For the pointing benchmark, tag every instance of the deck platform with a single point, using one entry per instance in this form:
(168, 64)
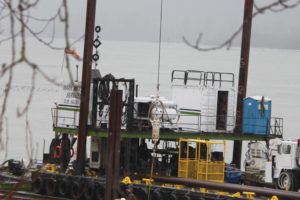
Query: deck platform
(172, 135)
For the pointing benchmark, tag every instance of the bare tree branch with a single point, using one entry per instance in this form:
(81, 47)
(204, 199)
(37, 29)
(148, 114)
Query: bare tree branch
(17, 14)
(7, 139)
(67, 42)
(29, 147)
(277, 6)
(26, 108)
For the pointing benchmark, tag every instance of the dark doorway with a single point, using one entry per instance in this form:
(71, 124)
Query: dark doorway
(222, 108)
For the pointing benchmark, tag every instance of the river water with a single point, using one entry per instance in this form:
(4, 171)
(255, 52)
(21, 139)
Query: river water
(273, 73)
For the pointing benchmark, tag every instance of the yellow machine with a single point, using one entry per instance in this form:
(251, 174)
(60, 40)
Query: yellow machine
(201, 159)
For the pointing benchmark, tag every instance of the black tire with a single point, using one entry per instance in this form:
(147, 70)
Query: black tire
(295, 182)
(89, 190)
(287, 181)
(140, 193)
(131, 196)
(76, 190)
(99, 191)
(63, 187)
(173, 196)
(156, 195)
(51, 187)
(38, 185)
(186, 197)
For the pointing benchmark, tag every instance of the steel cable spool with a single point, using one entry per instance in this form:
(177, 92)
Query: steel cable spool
(104, 88)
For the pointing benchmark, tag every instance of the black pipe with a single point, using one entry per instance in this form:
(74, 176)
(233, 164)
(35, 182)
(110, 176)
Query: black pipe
(228, 187)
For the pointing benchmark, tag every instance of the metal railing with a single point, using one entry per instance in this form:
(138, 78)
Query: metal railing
(69, 118)
(273, 126)
(65, 118)
(202, 77)
(206, 123)
(276, 126)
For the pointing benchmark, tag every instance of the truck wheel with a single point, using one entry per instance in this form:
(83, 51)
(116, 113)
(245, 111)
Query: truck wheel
(296, 182)
(286, 181)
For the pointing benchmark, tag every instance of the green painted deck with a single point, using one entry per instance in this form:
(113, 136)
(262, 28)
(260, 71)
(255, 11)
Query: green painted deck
(171, 135)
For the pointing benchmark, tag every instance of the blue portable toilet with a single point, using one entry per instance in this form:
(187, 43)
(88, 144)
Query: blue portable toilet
(256, 115)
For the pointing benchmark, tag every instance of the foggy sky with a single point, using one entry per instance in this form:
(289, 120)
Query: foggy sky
(138, 20)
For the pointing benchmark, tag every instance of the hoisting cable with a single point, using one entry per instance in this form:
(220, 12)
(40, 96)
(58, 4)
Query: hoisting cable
(152, 169)
(156, 120)
(159, 46)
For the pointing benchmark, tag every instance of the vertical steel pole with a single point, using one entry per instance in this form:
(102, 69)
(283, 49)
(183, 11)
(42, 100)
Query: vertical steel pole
(117, 131)
(85, 85)
(112, 166)
(243, 77)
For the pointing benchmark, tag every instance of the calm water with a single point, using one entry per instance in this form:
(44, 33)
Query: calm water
(272, 72)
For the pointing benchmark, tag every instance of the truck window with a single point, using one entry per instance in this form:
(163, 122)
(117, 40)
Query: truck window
(286, 149)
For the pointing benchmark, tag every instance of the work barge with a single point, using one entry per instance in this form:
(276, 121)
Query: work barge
(188, 160)
(151, 147)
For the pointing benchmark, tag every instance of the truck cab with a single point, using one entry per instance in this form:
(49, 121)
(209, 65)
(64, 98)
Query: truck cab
(278, 165)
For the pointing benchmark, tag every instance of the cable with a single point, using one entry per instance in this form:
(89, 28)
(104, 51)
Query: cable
(157, 97)
(152, 169)
(159, 46)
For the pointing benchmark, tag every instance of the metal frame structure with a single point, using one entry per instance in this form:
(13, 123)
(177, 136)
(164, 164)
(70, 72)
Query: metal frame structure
(102, 87)
(199, 162)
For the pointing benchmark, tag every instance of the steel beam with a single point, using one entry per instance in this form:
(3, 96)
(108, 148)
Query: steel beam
(243, 77)
(112, 166)
(85, 85)
(228, 187)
